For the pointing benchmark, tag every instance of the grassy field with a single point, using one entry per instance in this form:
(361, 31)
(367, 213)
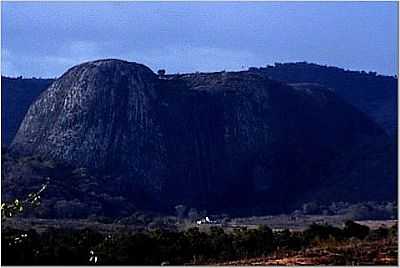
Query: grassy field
(275, 222)
(381, 252)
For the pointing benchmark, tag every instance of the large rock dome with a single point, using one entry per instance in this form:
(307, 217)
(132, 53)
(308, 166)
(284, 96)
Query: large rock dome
(216, 140)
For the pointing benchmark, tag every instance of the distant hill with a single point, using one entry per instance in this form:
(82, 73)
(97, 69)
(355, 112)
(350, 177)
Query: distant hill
(17, 94)
(374, 94)
(225, 141)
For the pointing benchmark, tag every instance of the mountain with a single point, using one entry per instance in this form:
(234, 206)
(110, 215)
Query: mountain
(376, 95)
(226, 141)
(17, 94)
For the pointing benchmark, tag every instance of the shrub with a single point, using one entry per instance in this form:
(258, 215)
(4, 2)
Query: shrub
(353, 229)
(322, 232)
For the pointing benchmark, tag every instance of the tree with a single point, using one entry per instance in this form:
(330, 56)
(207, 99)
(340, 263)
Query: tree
(322, 232)
(161, 72)
(10, 209)
(353, 229)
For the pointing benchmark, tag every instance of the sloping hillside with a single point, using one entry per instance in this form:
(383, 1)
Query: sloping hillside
(376, 95)
(17, 94)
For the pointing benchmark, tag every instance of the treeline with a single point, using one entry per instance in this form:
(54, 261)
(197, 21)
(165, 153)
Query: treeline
(83, 247)
(369, 210)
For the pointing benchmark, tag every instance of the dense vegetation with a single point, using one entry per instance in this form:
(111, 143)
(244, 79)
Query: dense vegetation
(74, 193)
(68, 247)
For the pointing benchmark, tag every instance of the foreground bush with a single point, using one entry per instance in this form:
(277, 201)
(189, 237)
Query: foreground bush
(83, 247)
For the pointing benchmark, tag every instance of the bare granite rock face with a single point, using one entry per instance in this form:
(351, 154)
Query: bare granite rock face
(222, 140)
(98, 115)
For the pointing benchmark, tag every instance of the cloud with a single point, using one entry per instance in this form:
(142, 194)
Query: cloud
(44, 39)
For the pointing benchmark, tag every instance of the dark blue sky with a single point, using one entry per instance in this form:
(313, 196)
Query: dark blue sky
(43, 39)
